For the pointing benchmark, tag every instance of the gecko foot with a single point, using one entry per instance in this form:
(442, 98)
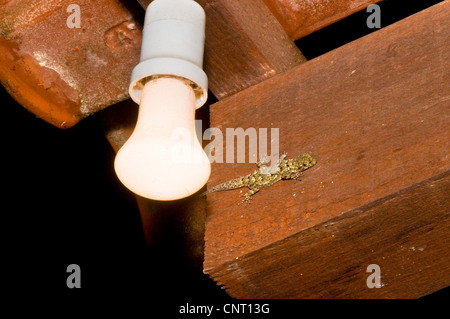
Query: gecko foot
(246, 200)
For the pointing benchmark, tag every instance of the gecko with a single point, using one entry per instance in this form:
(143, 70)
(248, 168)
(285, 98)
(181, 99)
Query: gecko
(266, 176)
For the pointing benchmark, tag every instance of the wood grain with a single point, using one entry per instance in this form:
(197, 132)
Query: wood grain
(330, 260)
(63, 74)
(375, 114)
(301, 18)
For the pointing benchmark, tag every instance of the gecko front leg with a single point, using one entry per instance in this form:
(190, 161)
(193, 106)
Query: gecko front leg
(296, 176)
(263, 162)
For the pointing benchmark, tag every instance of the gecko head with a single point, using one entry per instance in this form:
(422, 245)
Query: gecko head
(306, 161)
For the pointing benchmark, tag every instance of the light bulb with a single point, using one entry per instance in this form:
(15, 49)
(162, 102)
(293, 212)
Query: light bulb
(163, 158)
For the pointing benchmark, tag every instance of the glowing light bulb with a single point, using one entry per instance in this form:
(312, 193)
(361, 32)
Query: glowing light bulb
(163, 158)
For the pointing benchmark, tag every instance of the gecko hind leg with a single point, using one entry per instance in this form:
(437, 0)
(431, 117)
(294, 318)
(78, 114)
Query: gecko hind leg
(248, 196)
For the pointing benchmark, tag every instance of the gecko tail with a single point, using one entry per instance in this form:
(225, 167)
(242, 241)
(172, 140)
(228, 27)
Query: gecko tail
(233, 184)
(209, 191)
(205, 193)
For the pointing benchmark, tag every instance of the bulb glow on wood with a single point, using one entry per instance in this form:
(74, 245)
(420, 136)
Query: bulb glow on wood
(163, 158)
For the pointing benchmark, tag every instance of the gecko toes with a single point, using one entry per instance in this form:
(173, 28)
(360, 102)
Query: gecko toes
(246, 200)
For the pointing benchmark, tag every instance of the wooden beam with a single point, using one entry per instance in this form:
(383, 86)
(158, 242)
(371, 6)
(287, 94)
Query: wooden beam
(373, 112)
(330, 260)
(245, 44)
(301, 18)
(64, 74)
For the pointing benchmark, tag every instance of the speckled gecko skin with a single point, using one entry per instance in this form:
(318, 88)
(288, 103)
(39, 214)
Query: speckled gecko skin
(266, 176)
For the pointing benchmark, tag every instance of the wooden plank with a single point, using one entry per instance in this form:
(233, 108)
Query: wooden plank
(375, 114)
(300, 18)
(245, 45)
(330, 260)
(63, 74)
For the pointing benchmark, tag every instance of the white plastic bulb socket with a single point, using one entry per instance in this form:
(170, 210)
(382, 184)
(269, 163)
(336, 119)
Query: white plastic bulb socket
(163, 159)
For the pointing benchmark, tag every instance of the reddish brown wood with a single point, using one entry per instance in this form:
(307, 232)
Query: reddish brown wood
(47, 75)
(245, 45)
(373, 112)
(144, 3)
(300, 18)
(64, 74)
(330, 260)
